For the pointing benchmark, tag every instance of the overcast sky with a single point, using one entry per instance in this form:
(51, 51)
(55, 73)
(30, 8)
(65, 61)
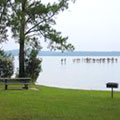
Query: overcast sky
(92, 25)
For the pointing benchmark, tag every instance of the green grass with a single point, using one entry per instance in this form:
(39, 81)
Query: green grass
(58, 104)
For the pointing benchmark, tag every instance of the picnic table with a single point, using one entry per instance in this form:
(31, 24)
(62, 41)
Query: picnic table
(15, 81)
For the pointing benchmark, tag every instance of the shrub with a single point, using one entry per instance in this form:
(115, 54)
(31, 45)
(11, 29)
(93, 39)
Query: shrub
(32, 64)
(6, 64)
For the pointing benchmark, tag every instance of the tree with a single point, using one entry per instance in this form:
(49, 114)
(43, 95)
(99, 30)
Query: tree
(6, 64)
(31, 20)
(3, 20)
(32, 64)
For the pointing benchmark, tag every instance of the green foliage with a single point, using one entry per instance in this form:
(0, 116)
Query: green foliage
(32, 64)
(3, 20)
(38, 20)
(6, 64)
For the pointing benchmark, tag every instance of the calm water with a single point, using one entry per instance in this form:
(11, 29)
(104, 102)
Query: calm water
(77, 75)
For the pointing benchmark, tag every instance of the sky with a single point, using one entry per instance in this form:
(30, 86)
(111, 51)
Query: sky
(91, 25)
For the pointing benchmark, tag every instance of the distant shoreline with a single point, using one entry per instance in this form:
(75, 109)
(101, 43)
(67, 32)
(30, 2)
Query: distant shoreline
(74, 53)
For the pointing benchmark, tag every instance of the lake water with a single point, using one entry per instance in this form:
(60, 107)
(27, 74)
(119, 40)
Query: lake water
(78, 74)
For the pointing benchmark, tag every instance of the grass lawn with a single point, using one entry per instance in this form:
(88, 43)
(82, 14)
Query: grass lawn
(58, 104)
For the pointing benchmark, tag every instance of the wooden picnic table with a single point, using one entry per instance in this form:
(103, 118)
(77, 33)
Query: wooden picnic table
(11, 81)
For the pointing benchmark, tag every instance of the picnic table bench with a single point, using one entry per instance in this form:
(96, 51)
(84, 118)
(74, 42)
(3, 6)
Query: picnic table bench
(17, 81)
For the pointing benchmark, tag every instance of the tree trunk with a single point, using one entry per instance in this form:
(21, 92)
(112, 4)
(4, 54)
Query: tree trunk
(21, 59)
(22, 42)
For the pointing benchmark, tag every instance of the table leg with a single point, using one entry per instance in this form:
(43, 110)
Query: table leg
(6, 86)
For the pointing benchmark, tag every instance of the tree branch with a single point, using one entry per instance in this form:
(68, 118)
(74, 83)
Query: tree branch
(44, 19)
(12, 6)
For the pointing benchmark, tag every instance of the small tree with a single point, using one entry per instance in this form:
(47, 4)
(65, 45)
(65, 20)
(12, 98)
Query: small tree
(32, 64)
(6, 64)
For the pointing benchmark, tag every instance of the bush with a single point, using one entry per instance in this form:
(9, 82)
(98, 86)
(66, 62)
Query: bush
(32, 65)
(6, 64)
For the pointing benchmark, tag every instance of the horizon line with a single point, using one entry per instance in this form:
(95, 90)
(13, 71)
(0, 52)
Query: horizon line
(69, 51)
